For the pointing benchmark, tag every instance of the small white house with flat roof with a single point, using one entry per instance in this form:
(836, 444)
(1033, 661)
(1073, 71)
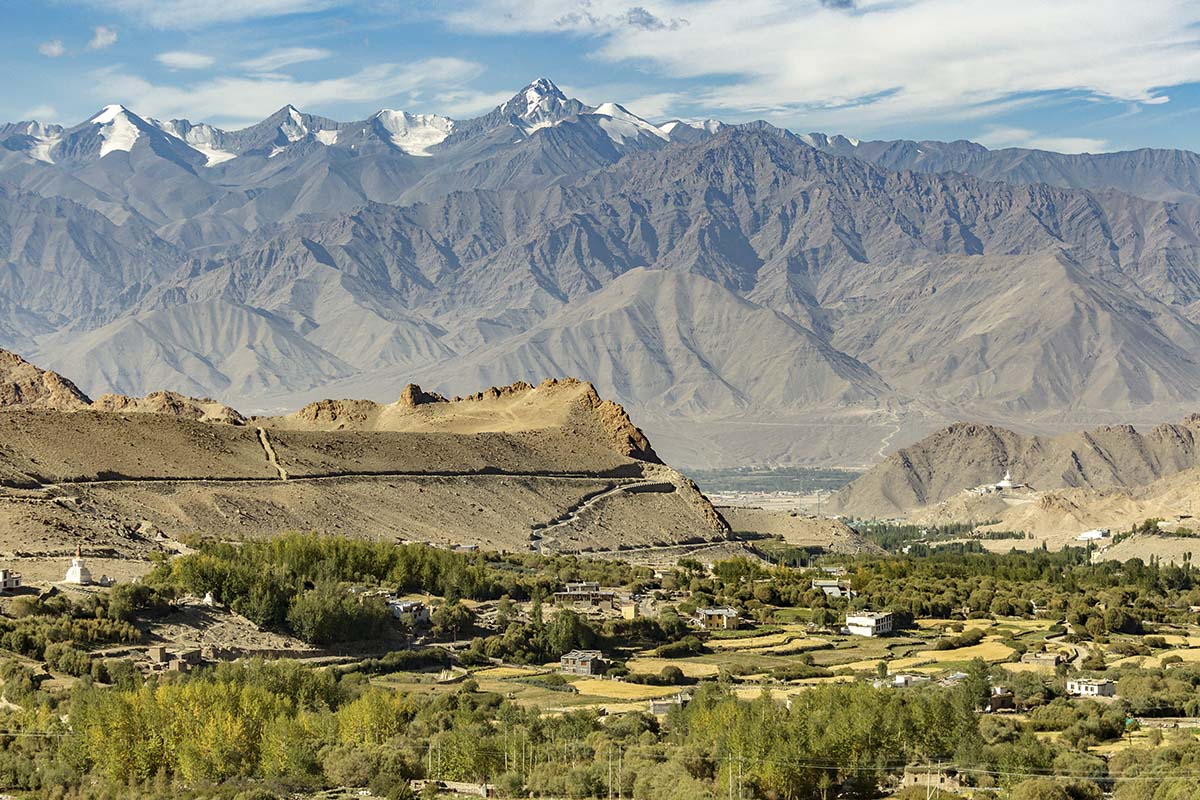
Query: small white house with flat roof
(877, 623)
(1091, 687)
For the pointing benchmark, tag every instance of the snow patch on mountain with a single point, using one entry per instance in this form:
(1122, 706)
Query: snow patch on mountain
(200, 138)
(414, 133)
(621, 124)
(293, 128)
(709, 126)
(327, 137)
(118, 131)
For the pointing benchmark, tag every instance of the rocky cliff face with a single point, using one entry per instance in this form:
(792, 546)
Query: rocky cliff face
(23, 384)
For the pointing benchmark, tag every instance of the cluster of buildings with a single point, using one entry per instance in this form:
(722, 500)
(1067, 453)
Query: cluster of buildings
(1005, 484)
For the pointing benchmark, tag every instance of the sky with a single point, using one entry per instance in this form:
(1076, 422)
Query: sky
(1067, 75)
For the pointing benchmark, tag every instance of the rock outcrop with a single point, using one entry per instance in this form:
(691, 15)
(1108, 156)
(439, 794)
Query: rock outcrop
(23, 384)
(203, 409)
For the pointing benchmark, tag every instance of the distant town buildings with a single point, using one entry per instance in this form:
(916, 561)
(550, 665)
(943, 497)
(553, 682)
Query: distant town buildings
(583, 662)
(1091, 687)
(720, 618)
(870, 624)
(1005, 484)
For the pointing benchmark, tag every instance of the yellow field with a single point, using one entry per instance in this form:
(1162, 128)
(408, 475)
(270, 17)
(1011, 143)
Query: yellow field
(1189, 654)
(1037, 668)
(594, 687)
(692, 669)
(991, 651)
(860, 666)
(498, 673)
(754, 642)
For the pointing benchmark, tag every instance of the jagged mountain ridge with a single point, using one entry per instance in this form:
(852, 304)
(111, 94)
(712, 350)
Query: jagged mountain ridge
(303, 253)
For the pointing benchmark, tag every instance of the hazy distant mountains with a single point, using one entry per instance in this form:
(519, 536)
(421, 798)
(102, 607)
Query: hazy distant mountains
(744, 290)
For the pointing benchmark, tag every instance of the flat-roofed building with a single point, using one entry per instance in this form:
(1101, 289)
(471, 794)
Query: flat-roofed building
(878, 623)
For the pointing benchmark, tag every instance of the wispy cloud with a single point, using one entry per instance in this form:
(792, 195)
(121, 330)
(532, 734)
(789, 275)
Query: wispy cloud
(52, 49)
(809, 62)
(182, 59)
(103, 37)
(241, 99)
(43, 113)
(283, 57)
(998, 137)
(190, 14)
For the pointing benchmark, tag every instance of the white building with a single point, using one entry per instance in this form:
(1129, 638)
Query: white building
(414, 612)
(870, 624)
(1091, 687)
(1092, 535)
(9, 580)
(78, 573)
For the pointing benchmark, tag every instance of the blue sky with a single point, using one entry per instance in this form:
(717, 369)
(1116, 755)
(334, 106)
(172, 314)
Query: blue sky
(1069, 75)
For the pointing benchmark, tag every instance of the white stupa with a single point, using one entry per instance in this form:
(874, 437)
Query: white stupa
(1006, 482)
(78, 573)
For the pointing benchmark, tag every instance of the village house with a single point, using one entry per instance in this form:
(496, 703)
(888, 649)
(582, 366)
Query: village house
(9, 580)
(832, 587)
(879, 623)
(583, 662)
(1001, 699)
(1092, 535)
(1091, 687)
(664, 705)
(1042, 659)
(584, 594)
(931, 777)
(413, 612)
(720, 618)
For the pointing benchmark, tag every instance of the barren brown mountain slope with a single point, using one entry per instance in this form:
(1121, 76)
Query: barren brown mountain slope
(1056, 518)
(21, 383)
(551, 468)
(800, 530)
(968, 455)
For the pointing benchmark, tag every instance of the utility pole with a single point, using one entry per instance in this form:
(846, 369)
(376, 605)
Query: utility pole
(610, 774)
(620, 782)
(731, 775)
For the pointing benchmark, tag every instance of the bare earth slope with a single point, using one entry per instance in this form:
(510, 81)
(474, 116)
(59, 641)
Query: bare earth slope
(832, 535)
(552, 468)
(966, 455)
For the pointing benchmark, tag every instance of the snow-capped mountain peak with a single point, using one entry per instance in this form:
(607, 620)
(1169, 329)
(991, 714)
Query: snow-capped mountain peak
(119, 128)
(413, 133)
(621, 124)
(293, 127)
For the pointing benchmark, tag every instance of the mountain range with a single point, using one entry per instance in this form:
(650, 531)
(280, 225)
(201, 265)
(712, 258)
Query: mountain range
(751, 294)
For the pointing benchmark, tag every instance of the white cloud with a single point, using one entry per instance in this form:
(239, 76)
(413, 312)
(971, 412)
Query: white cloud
(190, 14)
(242, 99)
(52, 49)
(283, 57)
(182, 59)
(102, 37)
(999, 137)
(41, 113)
(803, 62)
